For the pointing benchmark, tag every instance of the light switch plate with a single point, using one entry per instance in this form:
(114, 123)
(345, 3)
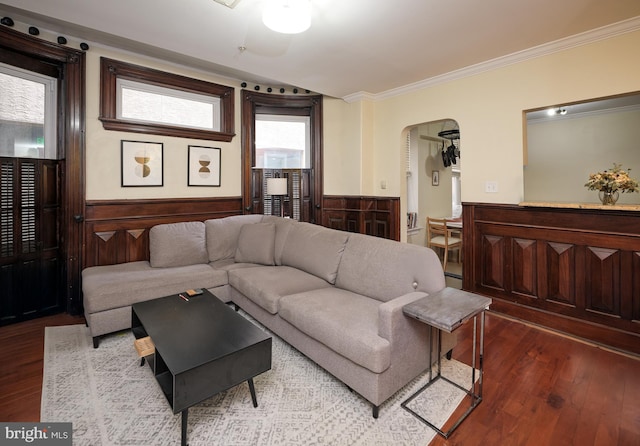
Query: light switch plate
(491, 187)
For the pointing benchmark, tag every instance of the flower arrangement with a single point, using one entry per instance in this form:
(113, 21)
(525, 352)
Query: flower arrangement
(614, 180)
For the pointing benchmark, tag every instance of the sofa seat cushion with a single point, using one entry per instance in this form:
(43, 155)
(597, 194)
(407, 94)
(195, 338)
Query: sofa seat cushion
(344, 321)
(114, 286)
(229, 264)
(265, 285)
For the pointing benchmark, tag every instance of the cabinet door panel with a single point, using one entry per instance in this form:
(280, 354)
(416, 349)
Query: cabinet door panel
(524, 260)
(603, 290)
(560, 278)
(493, 265)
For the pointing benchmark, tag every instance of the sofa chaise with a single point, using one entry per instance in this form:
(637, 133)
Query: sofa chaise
(335, 296)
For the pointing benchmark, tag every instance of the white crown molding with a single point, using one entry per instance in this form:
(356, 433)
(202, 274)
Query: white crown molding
(585, 38)
(360, 96)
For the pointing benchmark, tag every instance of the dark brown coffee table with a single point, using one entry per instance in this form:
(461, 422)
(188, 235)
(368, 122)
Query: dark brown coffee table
(202, 348)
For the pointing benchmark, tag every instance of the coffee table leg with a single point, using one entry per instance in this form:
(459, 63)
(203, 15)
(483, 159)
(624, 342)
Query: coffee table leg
(252, 389)
(185, 416)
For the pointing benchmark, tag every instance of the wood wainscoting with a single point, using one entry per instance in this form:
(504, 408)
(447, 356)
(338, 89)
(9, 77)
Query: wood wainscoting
(378, 216)
(572, 270)
(118, 231)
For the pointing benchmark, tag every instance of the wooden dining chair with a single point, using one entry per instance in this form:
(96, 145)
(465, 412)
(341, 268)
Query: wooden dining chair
(439, 236)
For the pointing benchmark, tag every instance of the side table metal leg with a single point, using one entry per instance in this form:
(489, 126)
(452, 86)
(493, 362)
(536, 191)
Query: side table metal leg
(439, 338)
(430, 353)
(252, 389)
(481, 365)
(185, 422)
(473, 358)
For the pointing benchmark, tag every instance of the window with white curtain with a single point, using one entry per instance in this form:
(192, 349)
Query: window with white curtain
(411, 163)
(456, 203)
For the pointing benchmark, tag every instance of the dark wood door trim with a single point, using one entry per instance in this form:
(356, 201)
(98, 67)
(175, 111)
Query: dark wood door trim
(269, 102)
(71, 130)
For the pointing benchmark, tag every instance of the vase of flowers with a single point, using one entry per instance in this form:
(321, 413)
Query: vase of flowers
(611, 183)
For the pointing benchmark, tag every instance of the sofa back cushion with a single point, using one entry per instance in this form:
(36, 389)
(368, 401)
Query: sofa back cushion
(222, 235)
(177, 244)
(314, 249)
(256, 243)
(385, 269)
(283, 226)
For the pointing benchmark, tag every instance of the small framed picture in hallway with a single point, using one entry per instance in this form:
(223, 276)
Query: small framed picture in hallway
(435, 178)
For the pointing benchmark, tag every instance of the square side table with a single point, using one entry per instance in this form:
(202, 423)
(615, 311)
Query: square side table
(447, 310)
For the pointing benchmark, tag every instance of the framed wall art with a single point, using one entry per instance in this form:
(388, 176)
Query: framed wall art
(435, 178)
(203, 166)
(142, 163)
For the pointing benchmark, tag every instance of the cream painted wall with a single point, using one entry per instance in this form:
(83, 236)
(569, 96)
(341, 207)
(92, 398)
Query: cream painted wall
(343, 147)
(488, 107)
(103, 179)
(562, 154)
(363, 142)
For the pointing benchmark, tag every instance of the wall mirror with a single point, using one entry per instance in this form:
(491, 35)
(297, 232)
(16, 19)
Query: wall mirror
(565, 143)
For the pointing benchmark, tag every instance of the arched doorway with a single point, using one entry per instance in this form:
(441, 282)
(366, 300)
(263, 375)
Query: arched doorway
(433, 180)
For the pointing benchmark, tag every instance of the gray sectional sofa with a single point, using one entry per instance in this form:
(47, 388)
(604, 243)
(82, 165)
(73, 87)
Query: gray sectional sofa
(335, 296)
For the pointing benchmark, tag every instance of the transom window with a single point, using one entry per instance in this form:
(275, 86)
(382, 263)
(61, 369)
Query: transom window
(144, 100)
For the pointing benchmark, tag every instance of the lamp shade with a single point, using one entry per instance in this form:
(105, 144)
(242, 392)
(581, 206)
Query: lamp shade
(276, 186)
(287, 16)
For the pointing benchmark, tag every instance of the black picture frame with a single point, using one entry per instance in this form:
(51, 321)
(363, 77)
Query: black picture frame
(204, 166)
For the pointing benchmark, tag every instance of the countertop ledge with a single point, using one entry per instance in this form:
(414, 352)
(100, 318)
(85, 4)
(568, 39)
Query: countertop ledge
(552, 204)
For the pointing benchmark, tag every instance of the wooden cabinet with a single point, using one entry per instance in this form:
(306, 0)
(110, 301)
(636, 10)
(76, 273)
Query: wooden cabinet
(570, 269)
(378, 216)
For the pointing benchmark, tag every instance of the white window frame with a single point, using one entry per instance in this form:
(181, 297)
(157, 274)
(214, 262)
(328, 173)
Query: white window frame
(168, 92)
(50, 105)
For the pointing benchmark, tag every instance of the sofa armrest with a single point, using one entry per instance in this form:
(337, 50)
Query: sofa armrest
(392, 321)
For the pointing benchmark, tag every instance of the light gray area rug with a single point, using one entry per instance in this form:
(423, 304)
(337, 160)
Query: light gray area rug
(111, 400)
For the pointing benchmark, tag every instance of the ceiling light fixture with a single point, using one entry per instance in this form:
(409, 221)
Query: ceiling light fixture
(228, 3)
(556, 111)
(287, 16)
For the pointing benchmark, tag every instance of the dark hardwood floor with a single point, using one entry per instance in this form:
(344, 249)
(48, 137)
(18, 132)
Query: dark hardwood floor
(539, 388)
(21, 356)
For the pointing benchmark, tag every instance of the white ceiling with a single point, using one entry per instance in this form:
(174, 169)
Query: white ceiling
(353, 46)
